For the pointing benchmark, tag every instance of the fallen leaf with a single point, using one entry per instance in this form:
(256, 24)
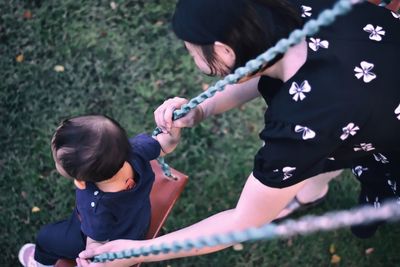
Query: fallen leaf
(113, 5)
(159, 23)
(335, 259)
(35, 209)
(238, 247)
(369, 251)
(158, 83)
(133, 58)
(27, 14)
(332, 249)
(19, 58)
(24, 195)
(204, 86)
(59, 68)
(251, 127)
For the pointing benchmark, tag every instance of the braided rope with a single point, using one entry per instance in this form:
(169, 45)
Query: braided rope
(327, 17)
(309, 224)
(389, 211)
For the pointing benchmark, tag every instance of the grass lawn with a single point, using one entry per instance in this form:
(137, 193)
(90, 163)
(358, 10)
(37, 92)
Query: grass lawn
(123, 62)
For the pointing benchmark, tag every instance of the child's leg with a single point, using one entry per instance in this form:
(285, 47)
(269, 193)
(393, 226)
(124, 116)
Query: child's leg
(60, 240)
(379, 176)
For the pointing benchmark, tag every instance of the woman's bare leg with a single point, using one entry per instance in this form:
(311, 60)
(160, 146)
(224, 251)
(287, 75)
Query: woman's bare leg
(315, 188)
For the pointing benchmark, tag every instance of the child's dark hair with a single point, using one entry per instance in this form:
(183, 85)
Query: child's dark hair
(257, 26)
(90, 148)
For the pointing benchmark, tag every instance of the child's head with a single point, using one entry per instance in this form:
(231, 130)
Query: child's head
(90, 148)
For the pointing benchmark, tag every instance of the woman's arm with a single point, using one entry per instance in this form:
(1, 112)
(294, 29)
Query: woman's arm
(233, 96)
(258, 204)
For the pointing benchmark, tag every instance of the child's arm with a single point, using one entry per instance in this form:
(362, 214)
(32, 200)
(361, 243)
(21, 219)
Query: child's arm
(168, 141)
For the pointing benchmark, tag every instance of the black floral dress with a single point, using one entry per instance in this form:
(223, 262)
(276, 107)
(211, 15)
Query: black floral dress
(341, 109)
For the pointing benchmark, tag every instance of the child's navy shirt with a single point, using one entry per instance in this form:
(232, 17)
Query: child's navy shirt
(125, 214)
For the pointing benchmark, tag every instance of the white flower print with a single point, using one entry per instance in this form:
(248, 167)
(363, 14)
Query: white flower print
(397, 112)
(298, 92)
(366, 199)
(365, 71)
(331, 158)
(307, 132)
(377, 204)
(350, 129)
(316, 43)
(375, 33)
(381, 158)
(396, 15)
(287, 172)
(393, 185)
(306, 11)
(364, 147)
(358, 170)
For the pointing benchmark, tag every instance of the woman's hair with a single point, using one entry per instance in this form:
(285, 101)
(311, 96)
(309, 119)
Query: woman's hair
(90, 148)
(249, 29)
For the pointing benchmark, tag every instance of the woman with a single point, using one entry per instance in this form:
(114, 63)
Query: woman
(333, 103)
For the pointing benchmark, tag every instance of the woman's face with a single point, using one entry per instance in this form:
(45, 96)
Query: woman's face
(198, 58)
(224, 57)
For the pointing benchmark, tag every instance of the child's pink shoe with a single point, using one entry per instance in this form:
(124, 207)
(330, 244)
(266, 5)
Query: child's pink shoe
(26, 255)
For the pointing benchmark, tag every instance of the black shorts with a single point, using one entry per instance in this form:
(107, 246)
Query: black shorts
(379, 176)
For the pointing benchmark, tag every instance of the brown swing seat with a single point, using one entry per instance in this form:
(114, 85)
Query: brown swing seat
(394, 5)
(164, 194)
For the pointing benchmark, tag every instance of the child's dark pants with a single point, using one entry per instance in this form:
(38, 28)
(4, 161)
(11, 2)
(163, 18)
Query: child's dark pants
(60, 240)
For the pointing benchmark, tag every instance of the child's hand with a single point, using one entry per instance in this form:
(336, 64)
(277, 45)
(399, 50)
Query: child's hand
(169, 141)
(111, 246)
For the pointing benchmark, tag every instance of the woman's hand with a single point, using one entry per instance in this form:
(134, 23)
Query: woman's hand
(163, 115)
(112, 246)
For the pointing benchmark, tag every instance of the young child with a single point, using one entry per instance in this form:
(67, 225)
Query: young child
(113, 180)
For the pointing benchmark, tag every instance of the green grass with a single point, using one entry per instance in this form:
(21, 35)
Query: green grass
(124, 63)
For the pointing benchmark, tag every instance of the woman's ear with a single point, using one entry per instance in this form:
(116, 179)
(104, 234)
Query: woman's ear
(225, 53)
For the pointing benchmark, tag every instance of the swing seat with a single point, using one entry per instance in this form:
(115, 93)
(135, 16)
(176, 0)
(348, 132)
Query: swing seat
(393, 5)
(163, 195)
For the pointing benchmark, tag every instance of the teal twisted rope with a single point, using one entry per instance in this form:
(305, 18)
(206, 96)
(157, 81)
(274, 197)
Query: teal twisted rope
(389, 211)
(268, 231)
(164, 166)
(327, 17)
